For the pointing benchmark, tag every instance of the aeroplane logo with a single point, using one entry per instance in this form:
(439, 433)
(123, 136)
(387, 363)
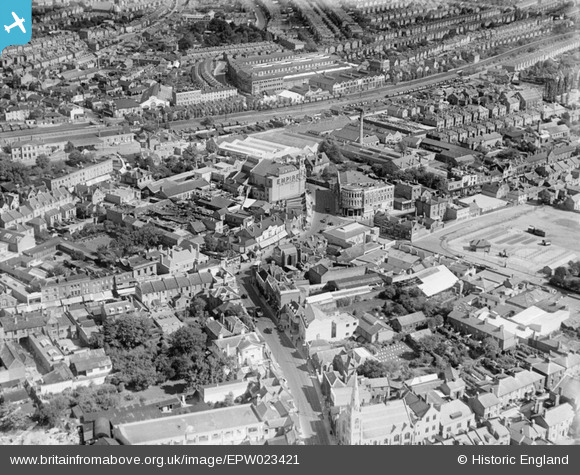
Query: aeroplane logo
(18, 22)
(16, 18)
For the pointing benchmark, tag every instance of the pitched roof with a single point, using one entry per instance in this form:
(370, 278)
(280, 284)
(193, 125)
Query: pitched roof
(556, 415)
(411, 318)
(521, 380)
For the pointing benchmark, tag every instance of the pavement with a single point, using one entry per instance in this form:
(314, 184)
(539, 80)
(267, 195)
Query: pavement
(302, 382)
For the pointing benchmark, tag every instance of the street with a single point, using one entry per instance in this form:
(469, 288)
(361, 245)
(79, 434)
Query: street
(324, 208)
(294, 368)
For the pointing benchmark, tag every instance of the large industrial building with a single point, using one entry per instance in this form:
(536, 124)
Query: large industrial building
(277, 72)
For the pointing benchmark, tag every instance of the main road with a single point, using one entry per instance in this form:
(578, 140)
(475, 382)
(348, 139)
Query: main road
(301, 381)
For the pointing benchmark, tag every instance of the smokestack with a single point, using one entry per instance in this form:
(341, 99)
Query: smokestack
(361, 127)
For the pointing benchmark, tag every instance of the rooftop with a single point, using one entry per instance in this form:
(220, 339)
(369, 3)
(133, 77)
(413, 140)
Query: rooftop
(181, 426)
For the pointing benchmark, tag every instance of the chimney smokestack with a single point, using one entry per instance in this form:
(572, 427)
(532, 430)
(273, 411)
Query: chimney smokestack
(361, 127)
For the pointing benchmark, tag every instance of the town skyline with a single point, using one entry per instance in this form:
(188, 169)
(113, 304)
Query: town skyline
(291, 222)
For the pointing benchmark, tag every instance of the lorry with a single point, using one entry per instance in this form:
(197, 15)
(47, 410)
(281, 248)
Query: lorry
(546, 242)
(536, 231)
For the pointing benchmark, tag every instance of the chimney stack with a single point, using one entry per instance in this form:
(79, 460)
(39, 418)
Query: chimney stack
(361, 135)
(557, 397)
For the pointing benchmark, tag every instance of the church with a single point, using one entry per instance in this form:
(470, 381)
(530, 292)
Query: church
(375, 424)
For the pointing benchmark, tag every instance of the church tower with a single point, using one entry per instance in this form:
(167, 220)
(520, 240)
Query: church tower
(353, 422)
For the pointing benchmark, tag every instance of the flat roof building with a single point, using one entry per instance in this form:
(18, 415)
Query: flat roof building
(223, 426)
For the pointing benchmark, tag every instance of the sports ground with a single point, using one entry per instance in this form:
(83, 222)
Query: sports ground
(506, 230)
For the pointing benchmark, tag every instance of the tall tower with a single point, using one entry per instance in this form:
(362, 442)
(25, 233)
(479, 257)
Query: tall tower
(354, 416)
(361, 132)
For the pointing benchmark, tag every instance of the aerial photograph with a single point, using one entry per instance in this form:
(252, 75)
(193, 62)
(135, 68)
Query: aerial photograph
(290, 222)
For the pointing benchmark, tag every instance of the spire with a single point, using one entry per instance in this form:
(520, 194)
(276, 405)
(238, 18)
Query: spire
(355, 400)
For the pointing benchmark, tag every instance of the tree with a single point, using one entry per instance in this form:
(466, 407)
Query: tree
(429, 343)
(189, 340)
(372, 369)
(344, 302)
(14, 172)
(402, 147)
(42, 161)
(388, 293)
(332, 150)
(96, 398)
(57, 270)
(574, 267)
(560, 276)
(13, 419)
(77, 256)
(75, 158)
(106, 255)
(197, 308)
(435, 322)
(199, 370)
(134, 368)
(163, 365)
(561, 273)
(490, 347)
(51, 412)
(207, 122)
(399, 310)
(127, 332)
(229, 400)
